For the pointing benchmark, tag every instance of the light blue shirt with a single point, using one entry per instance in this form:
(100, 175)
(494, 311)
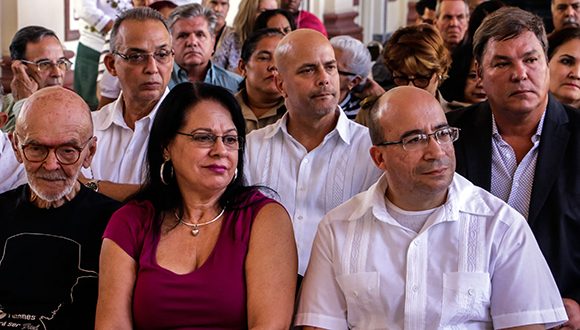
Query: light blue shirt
(510, 181)
(215, 76)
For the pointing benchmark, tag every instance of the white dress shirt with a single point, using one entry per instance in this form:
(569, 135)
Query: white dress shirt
(474, 265)
(312, 183)
(12, 172)
(121, 151)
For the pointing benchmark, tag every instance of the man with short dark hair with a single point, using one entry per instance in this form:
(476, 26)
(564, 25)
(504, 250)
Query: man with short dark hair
(425, 11)
(193, 32)
(565, 13)
(522, 145)
(38, 61)
(51, 228)
(424, 248)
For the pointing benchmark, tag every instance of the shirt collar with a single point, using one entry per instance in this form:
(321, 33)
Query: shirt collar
(114, 113)
(343, 127)
(536, 137)
(210, 73)
(461, 197)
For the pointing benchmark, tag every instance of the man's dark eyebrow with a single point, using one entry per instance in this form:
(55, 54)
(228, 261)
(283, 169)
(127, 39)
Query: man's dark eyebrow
(141, 50)
(411, 132)
(263, 52)
(418, 131)
(330, 62)
(507, 58)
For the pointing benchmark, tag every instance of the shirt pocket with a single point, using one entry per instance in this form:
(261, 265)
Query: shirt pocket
(363, 302)
(466, 297)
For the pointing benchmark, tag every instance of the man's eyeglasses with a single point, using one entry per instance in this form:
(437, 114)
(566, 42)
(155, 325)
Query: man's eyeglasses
(417, 80)
(208, 140)
(44, 65)
(162, 56)
(66, 154)
(419, 141)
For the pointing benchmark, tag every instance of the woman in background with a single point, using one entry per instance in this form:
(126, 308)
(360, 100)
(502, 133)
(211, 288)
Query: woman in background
(261, 101)
(276, 19)
(196, 248)
(564, 63)
(229, 54)
(416, 55)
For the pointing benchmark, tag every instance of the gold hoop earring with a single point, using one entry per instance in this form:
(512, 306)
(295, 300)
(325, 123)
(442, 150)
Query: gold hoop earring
(162, 170)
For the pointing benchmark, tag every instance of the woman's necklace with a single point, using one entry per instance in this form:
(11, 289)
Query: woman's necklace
(195, 226)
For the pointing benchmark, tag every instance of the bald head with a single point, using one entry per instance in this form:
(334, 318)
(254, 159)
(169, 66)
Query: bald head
(394, 104)
(307, 75)
(295, 42)
(55, 106)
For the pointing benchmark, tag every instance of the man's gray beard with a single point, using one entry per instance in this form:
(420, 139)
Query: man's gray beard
(53, 198)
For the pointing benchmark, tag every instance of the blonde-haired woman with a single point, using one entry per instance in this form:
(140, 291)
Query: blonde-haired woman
(228, 54)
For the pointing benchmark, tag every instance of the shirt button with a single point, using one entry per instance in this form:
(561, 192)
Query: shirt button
(415, 288)
(299, 217)
(306, 160)
(355, 293)
(470, 292)
(416, 242)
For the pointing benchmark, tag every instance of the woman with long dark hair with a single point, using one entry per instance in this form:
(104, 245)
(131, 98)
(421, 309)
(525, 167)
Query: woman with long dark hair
(196, 248)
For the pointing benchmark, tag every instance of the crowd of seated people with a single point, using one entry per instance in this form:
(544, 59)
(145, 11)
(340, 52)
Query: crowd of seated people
(258, 177)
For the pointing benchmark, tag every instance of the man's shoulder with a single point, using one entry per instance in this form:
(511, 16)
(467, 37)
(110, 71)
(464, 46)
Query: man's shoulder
(355, 208)
(103, 117)
(257, 136)
(465, 116)
(573, 115)
(95, 201)
(12, 198)
(480, 202)
(226, 76)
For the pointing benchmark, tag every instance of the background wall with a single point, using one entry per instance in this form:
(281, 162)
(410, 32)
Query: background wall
(377, 17)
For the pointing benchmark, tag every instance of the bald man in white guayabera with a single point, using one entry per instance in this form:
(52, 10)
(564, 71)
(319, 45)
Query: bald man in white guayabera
(424, 248)
(314, 156)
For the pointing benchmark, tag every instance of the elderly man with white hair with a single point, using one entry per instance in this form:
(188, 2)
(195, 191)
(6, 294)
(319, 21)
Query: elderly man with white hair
(354, 65)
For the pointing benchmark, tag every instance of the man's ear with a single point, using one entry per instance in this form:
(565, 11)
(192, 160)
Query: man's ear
(354, 82)
(92, 147)
(242, 68)
(110, 64)
(14, 142)
(280, 85)
(378, 157)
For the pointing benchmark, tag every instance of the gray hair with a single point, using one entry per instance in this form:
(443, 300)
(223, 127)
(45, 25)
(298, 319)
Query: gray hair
(440, 2)
(359, 56)
(135, 14)
(194, 10)
(507, 23)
